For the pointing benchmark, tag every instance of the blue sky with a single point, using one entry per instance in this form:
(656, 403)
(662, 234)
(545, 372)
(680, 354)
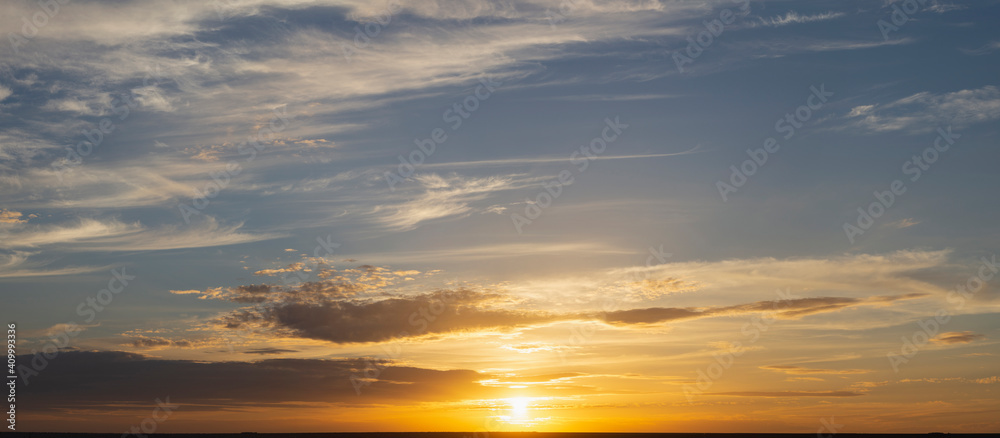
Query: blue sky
(519, 93)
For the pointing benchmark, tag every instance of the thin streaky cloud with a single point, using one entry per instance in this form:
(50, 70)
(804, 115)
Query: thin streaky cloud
(546, 160)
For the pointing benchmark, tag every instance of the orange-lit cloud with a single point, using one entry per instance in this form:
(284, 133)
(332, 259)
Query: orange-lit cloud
(965, 337)
(789, 369)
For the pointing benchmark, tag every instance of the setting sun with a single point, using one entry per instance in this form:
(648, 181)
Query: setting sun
(531, 217)
(519, 406)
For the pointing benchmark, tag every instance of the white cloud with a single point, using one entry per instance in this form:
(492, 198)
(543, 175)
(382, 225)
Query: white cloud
(17, 264)
(860, 110)
(984, 50)
(443, 197)
(792, 17)
(861, 275)
(112, 235)
(941, 8)
(927, 111)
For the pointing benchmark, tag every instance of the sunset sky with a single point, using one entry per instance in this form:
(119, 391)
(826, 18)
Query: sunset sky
(510, 215)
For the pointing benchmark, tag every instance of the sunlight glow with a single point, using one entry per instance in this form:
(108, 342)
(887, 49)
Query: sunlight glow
(519, 406)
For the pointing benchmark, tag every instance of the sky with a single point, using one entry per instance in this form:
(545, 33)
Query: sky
(524, 215)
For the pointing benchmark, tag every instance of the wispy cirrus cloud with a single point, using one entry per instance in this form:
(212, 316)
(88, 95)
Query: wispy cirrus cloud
(18, 264)
(88, 234)
(792, 17)
(791, 369)
(444, 197)
(983, 50)
(926, 111)
(788, 394)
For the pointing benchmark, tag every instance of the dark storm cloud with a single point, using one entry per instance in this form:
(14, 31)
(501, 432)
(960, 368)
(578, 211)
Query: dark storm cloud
(308, 312)
(399, 317)
(268, 351)
(101, 379)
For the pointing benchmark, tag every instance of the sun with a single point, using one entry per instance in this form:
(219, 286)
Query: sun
(519, 406)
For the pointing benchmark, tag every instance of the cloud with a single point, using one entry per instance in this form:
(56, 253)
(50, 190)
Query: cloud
(17, 264)
(269, 351)
(158, 342)
(334, 311)
(86, 234)
(861, 110)
(608, 97)
(84, 102)
(788, 393)
(651, 289)
(5, 92)
(856, 278)
(11, 217)
(133, 380)
(923, 112)
(370, 304)
(792, 17)
(786, 309)
(83, 229)
(443, 197)
(294, 267)
(984, 50)
(654, 315)
(547, 160)
(949, 338)
(941, 8)
(790, 369)
(393, 318)
(903, 223)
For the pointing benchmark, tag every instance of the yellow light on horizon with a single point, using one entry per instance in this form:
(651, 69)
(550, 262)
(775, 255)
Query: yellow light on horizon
(519, 406)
